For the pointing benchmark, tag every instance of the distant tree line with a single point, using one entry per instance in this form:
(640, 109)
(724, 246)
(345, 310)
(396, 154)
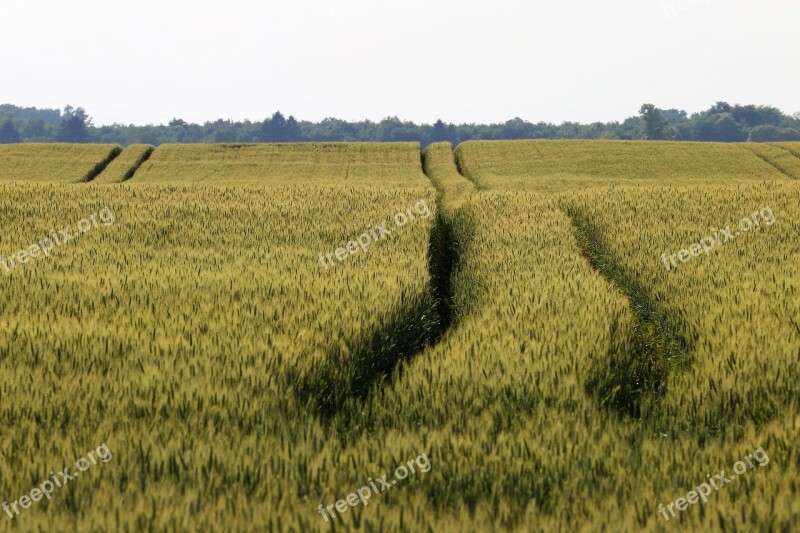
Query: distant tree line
(722, 122)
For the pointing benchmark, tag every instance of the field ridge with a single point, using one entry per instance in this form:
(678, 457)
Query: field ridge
(783, 161)
(462, 168)
(101, 166)
(419, 322)
(440, 165)
(656, 345)
(126, 164)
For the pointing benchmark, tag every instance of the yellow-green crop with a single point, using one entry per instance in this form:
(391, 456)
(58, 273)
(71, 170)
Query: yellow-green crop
(525, 336)
(125, 165)
(352, 164)
(54, 163)
(558, 166)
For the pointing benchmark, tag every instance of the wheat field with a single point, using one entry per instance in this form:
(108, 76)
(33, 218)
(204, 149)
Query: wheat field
(354, 164)
(559, 166)
(522, 332)
(54, 163)
(125, 164)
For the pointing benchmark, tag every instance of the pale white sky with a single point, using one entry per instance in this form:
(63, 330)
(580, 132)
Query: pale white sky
(148, 61)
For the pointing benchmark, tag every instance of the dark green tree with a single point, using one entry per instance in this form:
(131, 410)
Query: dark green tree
(439, 132)
(273, 130)
(392, 129)
(769, 133)
(728, 130)
(721, 107)
(37, 131)
(654, 126)
(292, 131)
(75, 124)
(751, 116)
(9, 133)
